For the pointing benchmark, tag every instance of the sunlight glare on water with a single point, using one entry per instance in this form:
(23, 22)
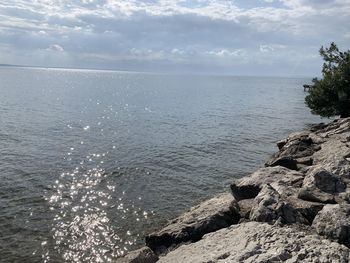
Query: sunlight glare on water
(81, 226)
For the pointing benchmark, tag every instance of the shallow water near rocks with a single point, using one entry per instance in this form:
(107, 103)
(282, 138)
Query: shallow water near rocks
(91, 161)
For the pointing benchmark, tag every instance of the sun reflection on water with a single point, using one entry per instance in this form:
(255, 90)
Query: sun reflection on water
(82, 229)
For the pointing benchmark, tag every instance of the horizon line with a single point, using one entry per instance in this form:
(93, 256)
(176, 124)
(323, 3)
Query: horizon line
(150, 72)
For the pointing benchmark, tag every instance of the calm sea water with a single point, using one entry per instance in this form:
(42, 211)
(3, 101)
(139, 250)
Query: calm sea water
(91, 161)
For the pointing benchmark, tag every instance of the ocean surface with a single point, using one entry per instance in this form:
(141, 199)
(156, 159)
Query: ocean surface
(91, 161)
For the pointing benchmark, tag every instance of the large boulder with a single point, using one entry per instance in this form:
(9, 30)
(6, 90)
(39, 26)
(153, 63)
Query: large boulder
(249, 187)
(211, 215)
(270, 206)
(259, 242)
(333, 221)
(289, 196)
(325, 181)
(322, 186)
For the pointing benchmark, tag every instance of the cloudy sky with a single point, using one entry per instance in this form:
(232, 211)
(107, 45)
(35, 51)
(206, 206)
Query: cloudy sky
(242, 37)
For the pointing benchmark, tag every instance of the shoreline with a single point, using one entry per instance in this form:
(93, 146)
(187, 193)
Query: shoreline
(295, 208)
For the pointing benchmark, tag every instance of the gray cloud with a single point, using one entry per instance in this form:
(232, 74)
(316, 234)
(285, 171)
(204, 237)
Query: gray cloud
(218, 36)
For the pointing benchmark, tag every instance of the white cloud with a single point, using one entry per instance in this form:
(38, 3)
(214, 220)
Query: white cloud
(55, 48)
(226, 53)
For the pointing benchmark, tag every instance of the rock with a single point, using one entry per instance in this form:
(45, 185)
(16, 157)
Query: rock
(265, 205)
(316, 139)
(333, 221)
(304, 161)
(268, 206)
(245, 206)
(314, 195)
(339, 126)
(250, 186)
(259, 242)
(211, 215)
(318, 127)
(294, 151)
(287, 162)
(142, 255)
(339, 167)
(281, 143)
(332, 150)
(321, 186)
(297, 136)
(345, 197)
(289, 196)
(323, 180)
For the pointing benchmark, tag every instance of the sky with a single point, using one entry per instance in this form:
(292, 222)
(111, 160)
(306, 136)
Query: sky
(242, 37)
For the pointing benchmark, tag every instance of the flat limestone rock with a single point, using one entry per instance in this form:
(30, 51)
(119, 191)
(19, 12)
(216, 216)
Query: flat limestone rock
(259, 242)
(249, 187)
(211, 215)
(333, 221)
(142, 255)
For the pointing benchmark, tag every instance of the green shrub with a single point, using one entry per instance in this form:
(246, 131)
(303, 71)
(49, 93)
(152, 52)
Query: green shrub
(330, 96)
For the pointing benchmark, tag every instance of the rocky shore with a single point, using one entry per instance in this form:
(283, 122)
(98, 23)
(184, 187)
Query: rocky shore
(295, 209)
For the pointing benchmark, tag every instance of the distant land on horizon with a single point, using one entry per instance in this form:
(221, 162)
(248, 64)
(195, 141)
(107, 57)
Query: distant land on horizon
(150, 72)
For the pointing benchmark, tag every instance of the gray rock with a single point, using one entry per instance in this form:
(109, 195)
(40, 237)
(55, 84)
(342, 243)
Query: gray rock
(249, 187)
(314, 195)
(332, 150)
(316, 139)
(333, 221)
(281, 143)
(289, 196)
(340, 126)
(211, 215)
(245, 206)
(142, 255)
(268, 206)
(295, 150)
(339, 167)
(265, 205)
(285, 161)
(259, 242)
(321, 186)
(318, 127)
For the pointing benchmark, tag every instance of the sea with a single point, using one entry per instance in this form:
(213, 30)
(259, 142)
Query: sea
(91, 161)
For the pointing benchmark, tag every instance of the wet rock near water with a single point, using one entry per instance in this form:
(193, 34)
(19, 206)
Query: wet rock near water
(295, 209)
(211, 215)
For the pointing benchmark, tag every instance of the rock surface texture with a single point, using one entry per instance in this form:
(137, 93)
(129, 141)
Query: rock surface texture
(211, 215)
(333, 221)
(258, 242)
(295, 209)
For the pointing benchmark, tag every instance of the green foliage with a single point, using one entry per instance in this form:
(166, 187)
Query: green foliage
(330, 96)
